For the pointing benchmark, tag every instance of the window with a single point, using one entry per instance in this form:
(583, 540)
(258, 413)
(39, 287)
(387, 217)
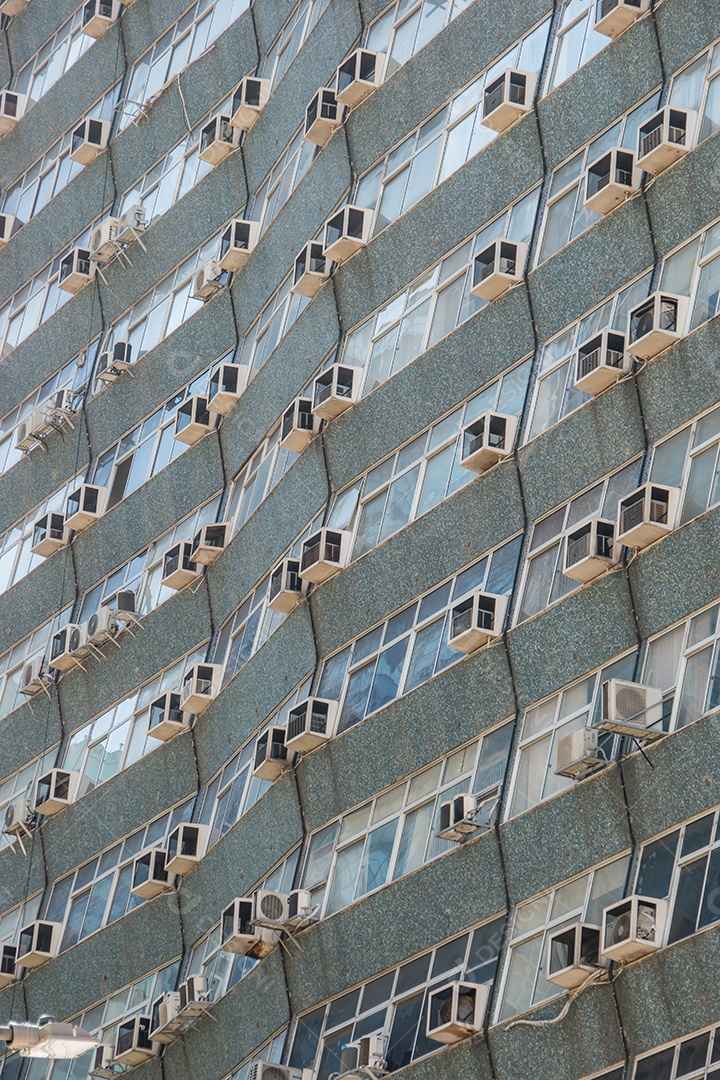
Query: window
(411, 647)
(422, 473)
(395, 833)
(14, 660)
(272, 1051)
(22, 783)
(257, 479)
(282, 180)
(56, 56)
(291, 39)
(694, 271)
(684, 663)
(408, 26)
(688, 460)
(12, 921)
(697, 1057)
(544, 582)
(394, 1003)
(16, 558)
(697, 86)
(580, 899)
(576, 42)
(577, 706)
(270, 327)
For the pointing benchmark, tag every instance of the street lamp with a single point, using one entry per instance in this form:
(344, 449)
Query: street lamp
(47, 1039)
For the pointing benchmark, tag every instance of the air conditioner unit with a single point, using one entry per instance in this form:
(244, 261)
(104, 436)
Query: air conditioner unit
(249, 101)
(192, 420)
(299, 426)
(632, 709)
(210, 543)
(237, 243)
(476, 620)
(655, 324)
(38, 943)
(358, 76)
(98, 15)
(335, 391)
(84, 506)
(364, 1058)
(166, 717)
(150, 877)
(487, 440)
(131, 224)
(59, 407)
(271, 754)
(456, 1011)
(185, 847)
(578, 754)
(300, 908)
(226, 385)
(12, 107)
(76, 270)
(124, 607)
(632, 928)
(612, 17)
(8, 954)
(28, 432)
(264, 1070)
(324, 554)
(102, 1067)
(19, 817)
(238, 933)
(102, 625)
(601, 361)
(611, 180)
(464, 815)
(132, 1042)
(103, 241)
(573, 954)
(270, 908)
(178, 568)
(68, 647)
(201, 685)
(345, 233)
(208, 280)
(646, 515)
(35, 677)
(589, 550)
(112, 363)
(218, 139)
(165, 1021)
(323, 116)
(310, 723)
(507, 98)
(88, 139)
(665, 138)
(54, 791)
(49, 534)
(8, 226)
(311, 270)
(287, 588)
(12, 7)
(498, 268)
(194, 995)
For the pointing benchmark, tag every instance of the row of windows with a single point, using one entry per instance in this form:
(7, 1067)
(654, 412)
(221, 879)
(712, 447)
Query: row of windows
(14, 660)
(56, 56)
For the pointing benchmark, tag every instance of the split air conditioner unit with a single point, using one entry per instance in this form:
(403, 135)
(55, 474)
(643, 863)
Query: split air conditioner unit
(646, 515)
(589, 550)
(194, 995)
(166, 717)
(632, 709)
(185, 847)
(573, 954)
(102, 625)
(98, 16)
(310, 723)
(358, 76)
(300, 909)
(12, 107)
(656, 324)
(54, 791)
(611, 180)
(487, 440)
(345, 233)
(58, 408)
(476, 620)
(311, 270)
(364, 1058)
(226, 386)
(271, 754)
(248, 102)
(150, 876)
(218, 139)
(103, 241)
(335, 391)
(498, 268)
(165, 1022)
(68, 647)
(456, 1011)
(132, 1042)
(88, 139)
(323, 116)
(38, 943)
(299, 425)
(287, 588)
(239, 934)
(76, 270)
(665, 138)
(84, 506)
(464, 815)
(208, 279)
(35, 677)
(612, 17)
(193, 420)
(201, 685)
(112, 363)
(270, 909)
(19, 817)
(178, 568)
(237, 243)
(324, 554)
(131, 223)
(8, 954)
(264, 1070)
(632, 928)
(507, 98)
(210, 543)
(8, 226)
(49, 534)
(601, 361)
(578, 754)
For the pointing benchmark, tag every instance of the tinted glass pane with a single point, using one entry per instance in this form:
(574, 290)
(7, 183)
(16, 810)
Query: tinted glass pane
(693, 1054)
(402, 1035)
(697, 834)
(656, 1067)
(656, 866)
(687, 901)
(710, 910)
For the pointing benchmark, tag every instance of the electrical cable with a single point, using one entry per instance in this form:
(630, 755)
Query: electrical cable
(661, 55)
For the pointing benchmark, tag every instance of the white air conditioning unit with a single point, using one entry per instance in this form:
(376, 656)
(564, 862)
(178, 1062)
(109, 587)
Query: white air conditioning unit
(487, 440)
(271, 754)
(573, 954)
(84, 506)
(132, 1042)
(364, 1058)
(346, 232)
(632, 709)
(178, 568)
(59, 407)
(656, 324)
(265, 1070)
(8, 976)
(601, 361)
(38, 943)
(8, 226)
(194, 995)
(335, 391)
(102, 625)
(507, 98)
(12, 7)
(237, 243)
(498, 268)
(114, 362)
(88, 140)
(358, 76)
(201, 685)
(165, 1022)
(208, 280)
(68, 647)
(476, 621)
(30, 431)
(166, 717)
(610, 180)
(218, 139)
(456, 1011)
(612, 17)
(185, 847)
(311, 270)
(323, 116)
(300, 909)
(589, 550)
(646, 515)
(665, 138)
(19, 816)
(270, 909)
(103, 241)
(287, 588)
(35, 677)
(54, 791)
(210, 543)
(193, 420)
(49, 534)
(248, 102)
(12, 107)
(464, 815)
(131, 224)
(239, 934)
(98, 16)
(150, 877)
(632, 928)
(299, 426)
(324, 554)
(310, 723)
(76, 270)
(102, 1067)
(578, 754)
(226, 386)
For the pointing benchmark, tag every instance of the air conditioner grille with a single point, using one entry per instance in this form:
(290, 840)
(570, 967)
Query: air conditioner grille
(272, 907)
(629, 703)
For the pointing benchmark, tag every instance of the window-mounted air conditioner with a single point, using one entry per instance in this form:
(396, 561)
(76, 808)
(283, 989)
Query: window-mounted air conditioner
(88, 139)
(218, 139)
(12, 107)
(38, 943)
(345, 233)
(84, 506)
(311, 270)
(335, 391)
(271, 754)
(54, 791)
(98, 15)
(102, 1067)
(114, 362)
(124, 606)
(498, 268)
(507, 98)
(8, 954)
(165, 1021)
(487, 440)
(287, 588)
(210, 543)
(456, 1011)
(49, 534)
(476, 620)
(265, 1070)
(358, 76)
(601, 361)
(589, 550)
(132, 1042)
(194, 995)
(632, 709)
(150, 876)
(239, 934)
(76, 270)
(310, 723)
(178, 568)
(363, 1058)
(12, 7)
(185, 847)
(166, 717)
(611, 180)
(68, 647)
(632, 928)
(226, 387)
(578, 754)
(131, 223)
(324, 554)
(208, 279)
(103, 241)
(193, 420)
(614, 16)
(573, 954)
(248, 102)
(35, 677)
(665, 138)
(464, 815)
(19, 817)
(299, 425)
(646, 515)
(323, 116)
(655, 324)
(237, 243)
(201, 685)
(102, 625)
(8, 226)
